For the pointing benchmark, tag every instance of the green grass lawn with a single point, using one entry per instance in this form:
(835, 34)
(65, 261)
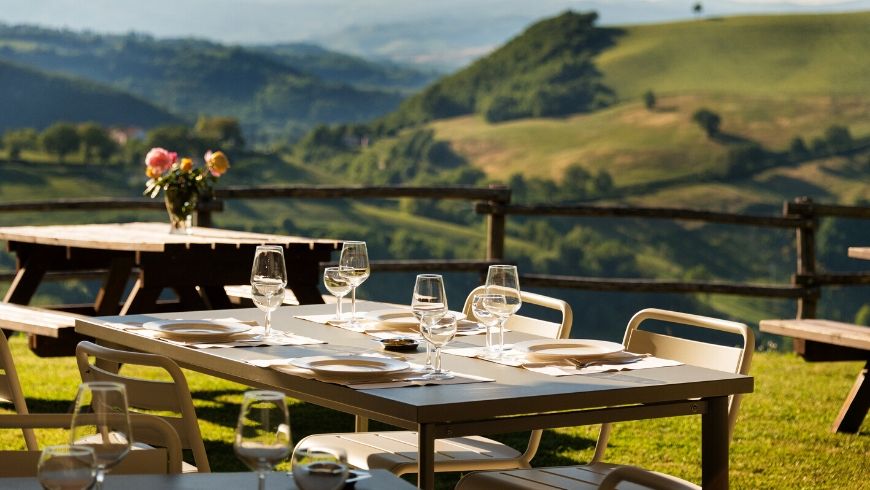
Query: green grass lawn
(781, 438)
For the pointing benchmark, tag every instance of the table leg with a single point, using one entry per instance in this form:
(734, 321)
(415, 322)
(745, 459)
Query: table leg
(855, 407)
(714, 444)
(109, 296)
(141, 299)
(426, 456)
(217, 297)
(26, 281)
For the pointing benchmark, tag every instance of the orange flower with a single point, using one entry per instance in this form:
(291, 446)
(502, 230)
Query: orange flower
(217, 163)
(186, 165)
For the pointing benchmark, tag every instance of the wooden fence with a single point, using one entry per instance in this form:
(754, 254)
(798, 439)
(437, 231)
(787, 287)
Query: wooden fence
(801, 215)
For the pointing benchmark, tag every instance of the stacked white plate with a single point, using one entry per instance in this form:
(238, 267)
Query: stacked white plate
(350, 367)
(580, 349)
(196, 330)
(399, 319)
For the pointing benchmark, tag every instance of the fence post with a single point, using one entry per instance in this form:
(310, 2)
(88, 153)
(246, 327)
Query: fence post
(805, 244)
(495, 226)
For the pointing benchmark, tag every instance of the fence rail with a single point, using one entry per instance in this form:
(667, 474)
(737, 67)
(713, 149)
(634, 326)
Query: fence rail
(493, 202)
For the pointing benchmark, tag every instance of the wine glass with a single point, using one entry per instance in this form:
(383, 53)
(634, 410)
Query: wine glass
(319, 468)
(503, 298)
(429, 304)
(66, 467)
(337, 285)
(484, 317)
(263, 432)
(101, 421)
(268, 280)
(354, 264)
(439, 334)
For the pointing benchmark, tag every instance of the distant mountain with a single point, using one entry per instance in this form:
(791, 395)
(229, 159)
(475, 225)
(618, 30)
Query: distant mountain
(194, 77)
(31, 98)
(344, 68)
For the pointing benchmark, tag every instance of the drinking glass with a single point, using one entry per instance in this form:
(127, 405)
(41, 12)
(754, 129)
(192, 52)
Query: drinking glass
(268, 280)
(354, 264)
(337, 285)
(503, 298)
(66, 467)
(101, 421)
(484, 317)
(429, 304)
(439, 334)
(263, 432)
(319, 468)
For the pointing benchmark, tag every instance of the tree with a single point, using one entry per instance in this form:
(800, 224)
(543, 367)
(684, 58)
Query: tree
(220, 131)
(61, 138)
(698, 9)
(17, 140)
(96, 141)
(708, 120)
(838, 138)
(177, 138)
(649, 99)
(798, 150)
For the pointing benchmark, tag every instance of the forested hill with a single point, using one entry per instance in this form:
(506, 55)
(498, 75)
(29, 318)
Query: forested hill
(547, 70)
(30, 98)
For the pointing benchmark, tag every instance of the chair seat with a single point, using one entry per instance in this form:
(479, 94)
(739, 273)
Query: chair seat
(396, 451)
(560, 477)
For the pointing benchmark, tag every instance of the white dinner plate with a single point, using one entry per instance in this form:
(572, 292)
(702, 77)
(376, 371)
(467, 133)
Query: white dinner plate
(547, 349)
(346, 367)
(196, 330)
(397, 319)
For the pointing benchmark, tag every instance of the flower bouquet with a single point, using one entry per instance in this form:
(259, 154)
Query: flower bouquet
(183, 183)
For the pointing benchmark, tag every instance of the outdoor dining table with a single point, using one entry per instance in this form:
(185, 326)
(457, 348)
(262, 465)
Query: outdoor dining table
(516, 399)
(379, 480)
(196, 266)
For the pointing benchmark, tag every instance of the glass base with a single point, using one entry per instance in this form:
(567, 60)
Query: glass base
(438, 376)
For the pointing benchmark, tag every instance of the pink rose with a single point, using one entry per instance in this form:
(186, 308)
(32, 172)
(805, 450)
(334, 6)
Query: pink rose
(160, 160)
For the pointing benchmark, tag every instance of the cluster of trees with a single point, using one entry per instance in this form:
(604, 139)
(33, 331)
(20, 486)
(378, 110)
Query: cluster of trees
(97, 143)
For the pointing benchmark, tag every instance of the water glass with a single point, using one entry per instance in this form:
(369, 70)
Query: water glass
(429, 304)
(101, 421)
(319, 468)
(268, 282)
(66, 467)
(354, 264)
(503, 298)
(262, 437)
(485, 318)
(439, 334)
(337, 286)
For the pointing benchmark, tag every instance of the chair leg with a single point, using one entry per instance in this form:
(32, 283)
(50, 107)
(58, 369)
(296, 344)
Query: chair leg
(855, 407)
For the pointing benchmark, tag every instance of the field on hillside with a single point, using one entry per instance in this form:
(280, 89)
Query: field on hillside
(781, 439)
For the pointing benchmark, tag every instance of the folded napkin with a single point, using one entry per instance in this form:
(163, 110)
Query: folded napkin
(623, 361)
(411, 377)
(245, 339)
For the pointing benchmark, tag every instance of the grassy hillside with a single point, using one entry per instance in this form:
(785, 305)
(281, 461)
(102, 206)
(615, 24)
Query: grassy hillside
(31, 98)
(772, 55)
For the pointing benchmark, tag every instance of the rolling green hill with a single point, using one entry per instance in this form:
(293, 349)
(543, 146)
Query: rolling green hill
(31, 98)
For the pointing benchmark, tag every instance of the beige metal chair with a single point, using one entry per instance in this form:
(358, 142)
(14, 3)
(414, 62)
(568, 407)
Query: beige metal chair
(396, 451)
(703, 354)
(146, 394)
(162, 460)
(10, 389)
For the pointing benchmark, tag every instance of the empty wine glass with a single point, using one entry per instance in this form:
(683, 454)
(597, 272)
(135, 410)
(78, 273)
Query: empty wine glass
(66, 467)
(263, 432)
(484, 317)
(337, 285)
(319, 468)
(439, 334)
(268, 280)
(503, 297)
(101, 421)
(354, 264)
(429, 304)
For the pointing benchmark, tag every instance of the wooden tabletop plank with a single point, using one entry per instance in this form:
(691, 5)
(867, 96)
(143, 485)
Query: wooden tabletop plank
(859, 253)
(827, 331)
(146, 237)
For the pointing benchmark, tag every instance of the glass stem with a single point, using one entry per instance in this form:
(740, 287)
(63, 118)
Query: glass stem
(338, 308)
(261, 480)
(501, 323)
(428, 354)
(488, 335)
(101, 474)
(268, 325)
(353, 304)
(437, 359)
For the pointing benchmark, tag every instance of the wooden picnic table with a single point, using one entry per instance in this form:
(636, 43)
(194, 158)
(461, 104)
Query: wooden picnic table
(516, 400)
(196, 266)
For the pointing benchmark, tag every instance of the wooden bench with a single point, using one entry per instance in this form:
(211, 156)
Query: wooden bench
(826, 340)
(50, 332)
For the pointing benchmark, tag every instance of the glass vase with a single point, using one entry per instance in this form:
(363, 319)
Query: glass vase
(180, 204)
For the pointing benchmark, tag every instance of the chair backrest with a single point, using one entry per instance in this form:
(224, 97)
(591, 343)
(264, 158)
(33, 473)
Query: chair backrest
(147, 394)
(534, 326)
(162, 460)
(644, 478)
(10, 389)
(704, 354)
